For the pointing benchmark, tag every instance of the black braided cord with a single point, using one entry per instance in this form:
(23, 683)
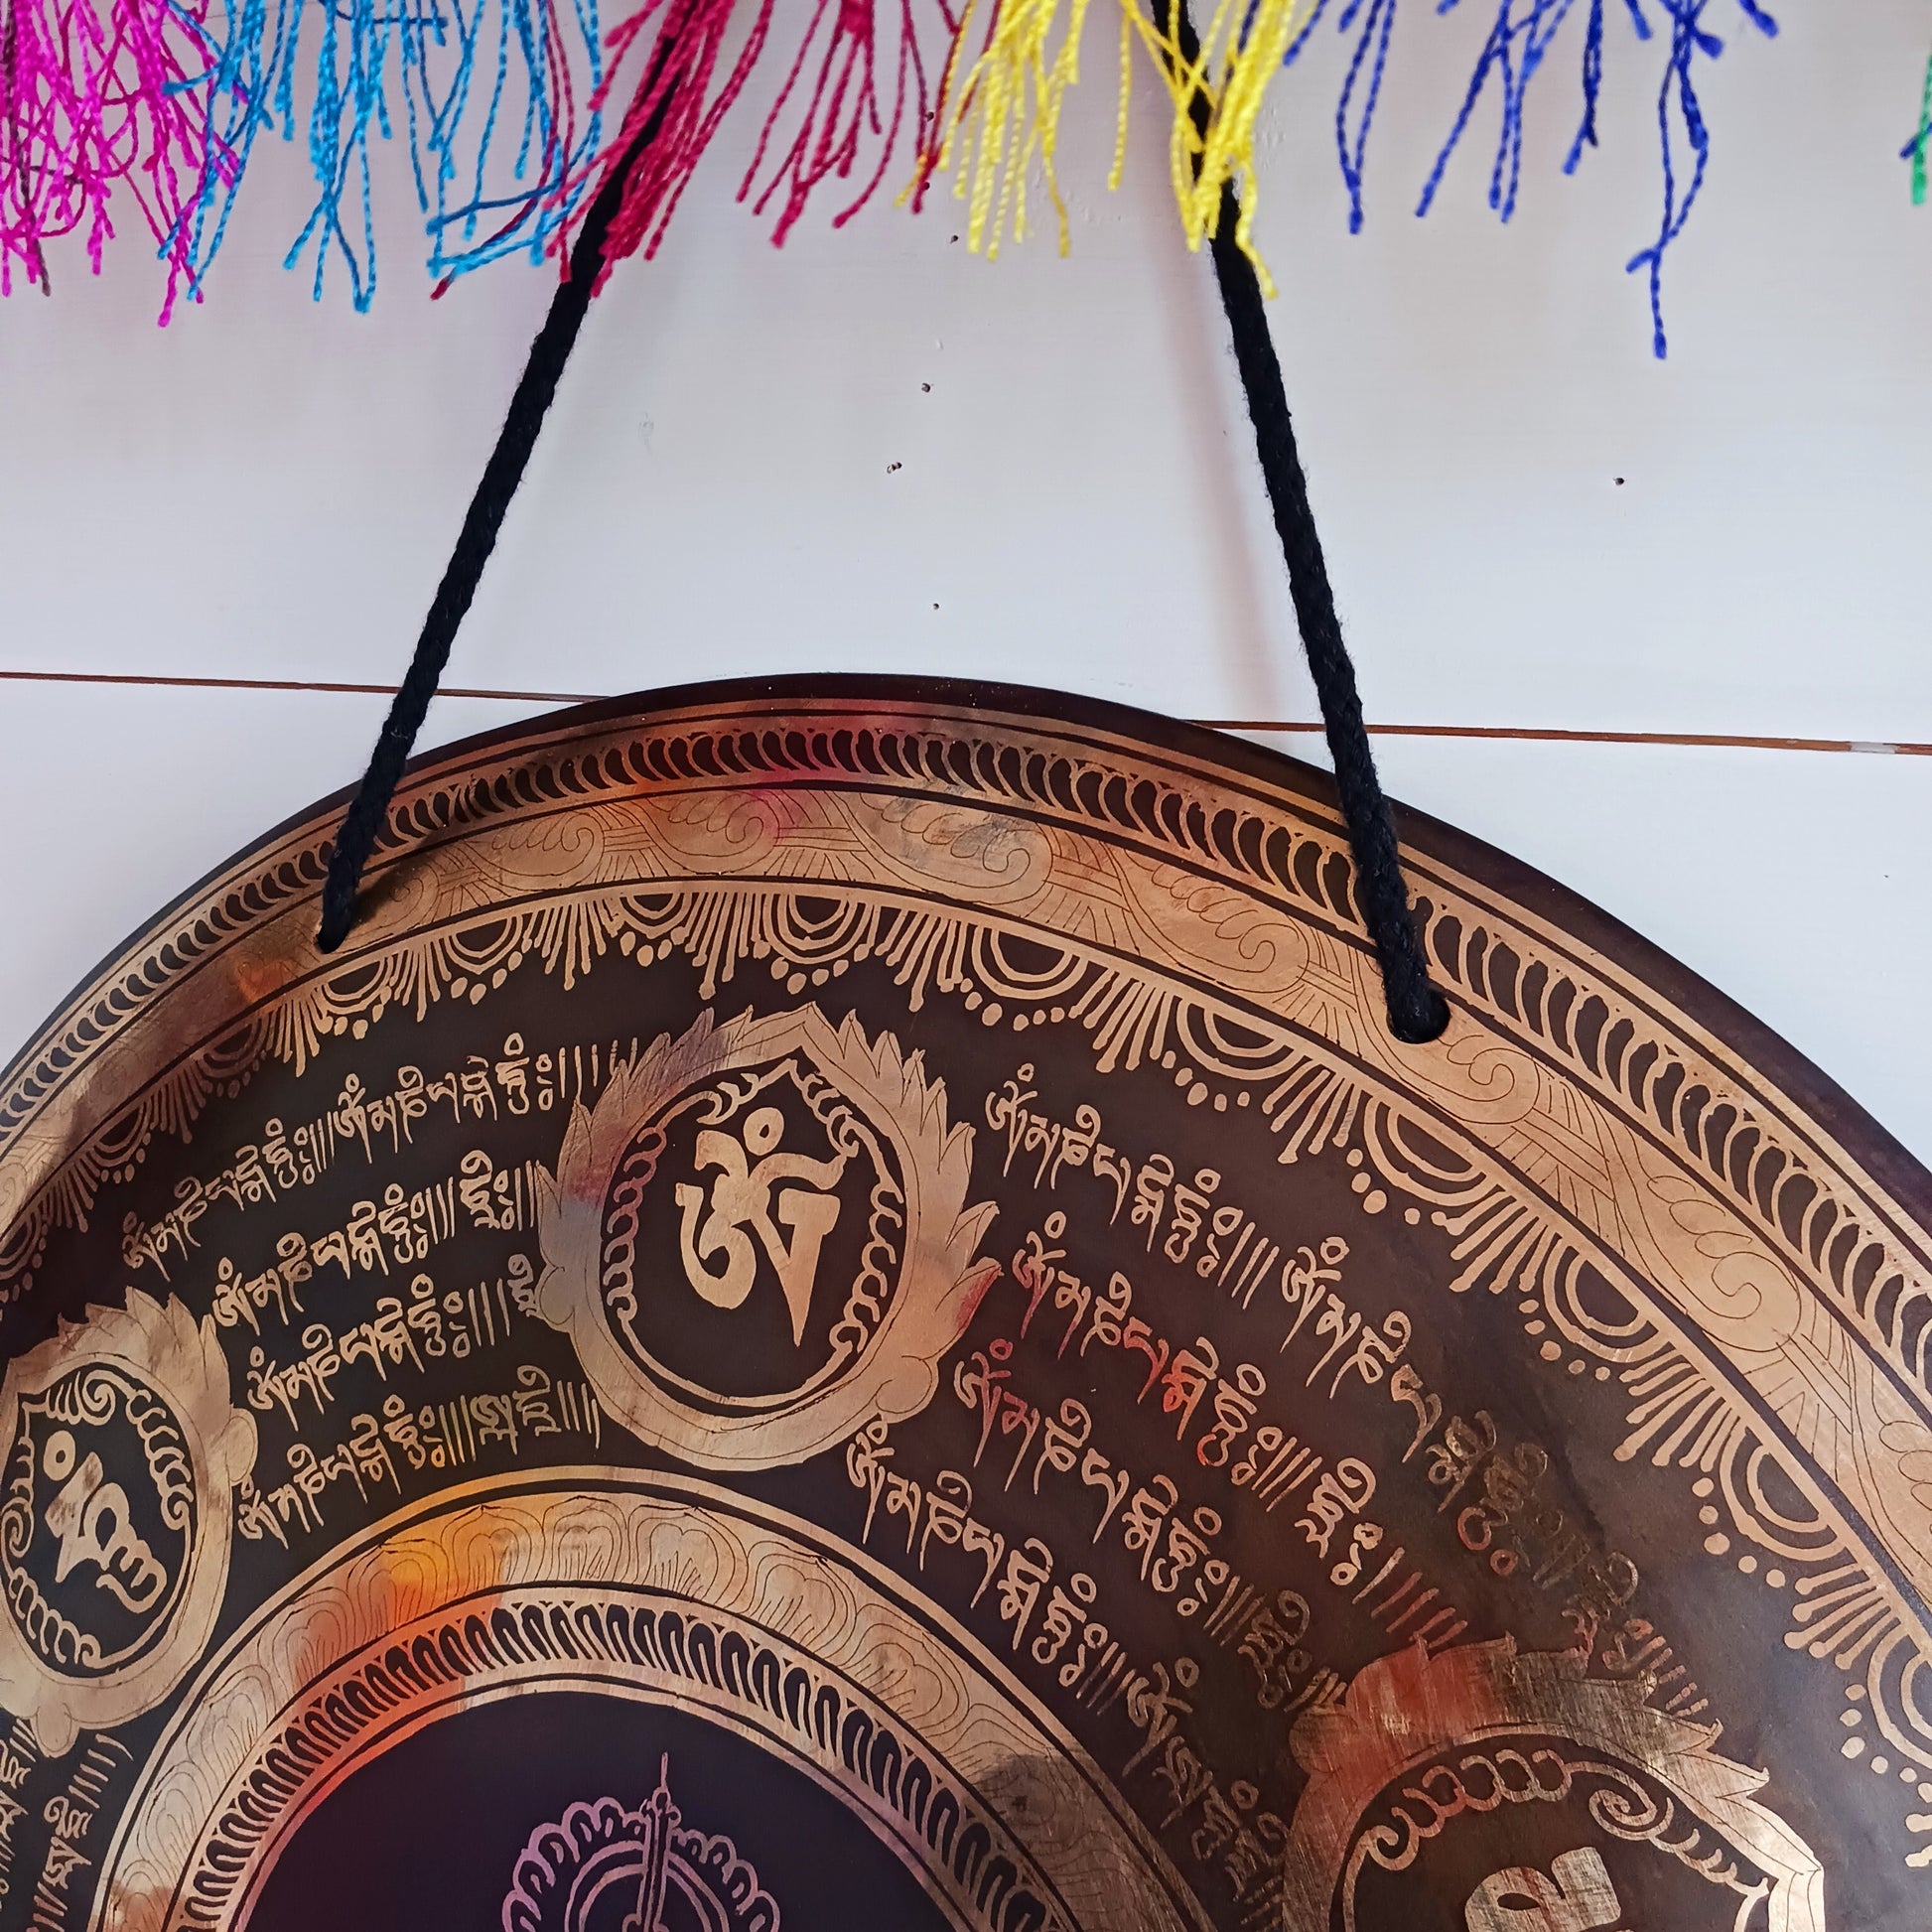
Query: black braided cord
(1417, 1010)
(529, 404)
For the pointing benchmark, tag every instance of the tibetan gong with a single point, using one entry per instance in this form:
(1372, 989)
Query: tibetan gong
(841, 1312)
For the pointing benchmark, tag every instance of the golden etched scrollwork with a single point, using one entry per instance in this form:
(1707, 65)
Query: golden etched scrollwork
(1398, 1760)
(884, 1349)
(121, 1453)
(666, 1592)
(604, 1846)
(1761, 1300)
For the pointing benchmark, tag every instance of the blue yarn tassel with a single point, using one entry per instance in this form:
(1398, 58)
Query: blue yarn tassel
(1678, 109)
(1374, 25)
(486, 92)
(1513, 54)
(1515, 50)
(1351, 146)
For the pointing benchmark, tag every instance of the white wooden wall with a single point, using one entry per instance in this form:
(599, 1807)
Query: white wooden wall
(870, 452)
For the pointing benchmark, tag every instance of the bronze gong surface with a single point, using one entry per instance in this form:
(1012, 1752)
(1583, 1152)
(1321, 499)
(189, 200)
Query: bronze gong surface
(840, 1311)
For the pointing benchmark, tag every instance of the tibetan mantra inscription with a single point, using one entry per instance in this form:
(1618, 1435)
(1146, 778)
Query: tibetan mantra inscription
(840, 1311)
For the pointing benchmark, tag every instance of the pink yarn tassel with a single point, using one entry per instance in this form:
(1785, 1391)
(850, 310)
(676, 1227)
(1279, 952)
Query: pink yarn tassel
(679, 68)
(844, 109)
(100, 97)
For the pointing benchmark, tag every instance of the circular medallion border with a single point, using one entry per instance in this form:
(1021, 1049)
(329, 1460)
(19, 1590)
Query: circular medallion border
(662, 1591)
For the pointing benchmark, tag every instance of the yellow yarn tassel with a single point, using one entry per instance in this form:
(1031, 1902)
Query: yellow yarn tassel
(1010, 104)
(1009, 111)
(1228, 148)
(1203, 159)
(1183, 83)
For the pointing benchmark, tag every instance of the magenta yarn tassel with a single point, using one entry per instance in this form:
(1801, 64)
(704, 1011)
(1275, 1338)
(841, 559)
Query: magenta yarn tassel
(102, 103)
(846, 108)
(675, 91)
(855, 89)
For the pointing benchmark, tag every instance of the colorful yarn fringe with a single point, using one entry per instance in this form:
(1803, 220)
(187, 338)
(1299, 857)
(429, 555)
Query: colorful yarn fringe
(1010, 97)
(466, 84)
(513, 110)
(98, 107)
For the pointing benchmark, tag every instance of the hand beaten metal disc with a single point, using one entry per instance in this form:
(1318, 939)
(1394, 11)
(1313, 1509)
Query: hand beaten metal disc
(840, 1311)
